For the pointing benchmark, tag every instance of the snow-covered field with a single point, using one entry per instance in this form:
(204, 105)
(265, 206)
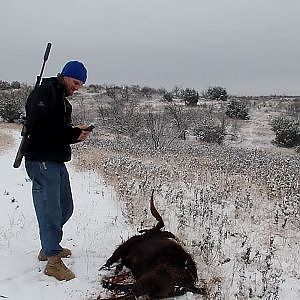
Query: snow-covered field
(235, 211)
(92, 233)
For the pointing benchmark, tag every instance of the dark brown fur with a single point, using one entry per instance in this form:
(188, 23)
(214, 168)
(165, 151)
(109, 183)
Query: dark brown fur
(159, 264)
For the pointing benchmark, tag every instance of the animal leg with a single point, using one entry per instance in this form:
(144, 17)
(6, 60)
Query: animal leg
(119, 287)
(113, 259)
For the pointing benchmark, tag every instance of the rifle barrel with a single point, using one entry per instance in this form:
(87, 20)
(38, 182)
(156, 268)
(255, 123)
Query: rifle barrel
(47, 51)
(46, 55)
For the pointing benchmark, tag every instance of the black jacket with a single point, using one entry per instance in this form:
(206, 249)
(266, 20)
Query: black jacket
(48, 120)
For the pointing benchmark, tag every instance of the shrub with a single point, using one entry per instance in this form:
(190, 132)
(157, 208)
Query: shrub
(4, 85)
(287, 131)
(15, 85)
(209, 130)
(112, 92)
(10, 107)
(178, 118)
(147, 91)
(190, 97)
(120, 117)
(168, 97)
(294, 107)
(12, 103)
(177, 92)
(237, 110)
(215, 93)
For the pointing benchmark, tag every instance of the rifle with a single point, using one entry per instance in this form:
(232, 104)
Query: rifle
(25, 132)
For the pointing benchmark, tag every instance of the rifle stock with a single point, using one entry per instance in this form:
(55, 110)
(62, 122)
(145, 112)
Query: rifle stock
(22, 148)
(24, 133)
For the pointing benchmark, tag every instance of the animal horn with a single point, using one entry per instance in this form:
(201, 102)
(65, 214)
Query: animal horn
(155, 213)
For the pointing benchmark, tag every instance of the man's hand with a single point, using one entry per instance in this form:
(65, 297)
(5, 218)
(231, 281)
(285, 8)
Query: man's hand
(84, 135)
(86, 130)
(89, 128)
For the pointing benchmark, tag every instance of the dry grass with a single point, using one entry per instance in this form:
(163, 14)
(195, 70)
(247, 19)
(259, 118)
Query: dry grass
(90, 159)
(6, 138)
(232, 207)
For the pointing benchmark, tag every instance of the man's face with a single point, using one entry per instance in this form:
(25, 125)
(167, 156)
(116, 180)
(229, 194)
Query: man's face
(72, 85)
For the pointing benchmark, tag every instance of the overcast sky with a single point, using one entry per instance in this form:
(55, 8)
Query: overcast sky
(250, 47)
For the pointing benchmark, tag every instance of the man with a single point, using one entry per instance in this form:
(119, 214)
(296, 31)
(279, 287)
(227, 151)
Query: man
(48, 120)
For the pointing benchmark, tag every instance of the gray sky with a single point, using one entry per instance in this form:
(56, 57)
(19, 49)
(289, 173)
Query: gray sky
(250, 47)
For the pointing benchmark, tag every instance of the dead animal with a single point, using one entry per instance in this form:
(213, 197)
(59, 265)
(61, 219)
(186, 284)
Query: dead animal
(161, 267)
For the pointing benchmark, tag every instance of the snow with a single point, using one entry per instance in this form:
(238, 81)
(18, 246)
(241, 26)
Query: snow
(92, 233)
(98, 225)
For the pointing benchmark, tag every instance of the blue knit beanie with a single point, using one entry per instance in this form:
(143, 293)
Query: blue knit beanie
(75, 69)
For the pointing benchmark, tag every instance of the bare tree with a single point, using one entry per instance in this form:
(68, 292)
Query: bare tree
(176, 112)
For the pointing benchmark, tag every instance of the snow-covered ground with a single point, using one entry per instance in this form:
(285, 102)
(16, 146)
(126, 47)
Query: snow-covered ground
(92, 233)
(225, 220)
(256, 133)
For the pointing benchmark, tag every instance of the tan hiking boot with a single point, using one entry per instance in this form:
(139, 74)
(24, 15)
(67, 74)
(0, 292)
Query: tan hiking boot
(56, 268)
(65, 253)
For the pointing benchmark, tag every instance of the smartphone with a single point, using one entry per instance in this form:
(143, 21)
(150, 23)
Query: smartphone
(89, 128)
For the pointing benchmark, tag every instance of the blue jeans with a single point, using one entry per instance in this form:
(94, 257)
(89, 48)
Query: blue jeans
(52, 199)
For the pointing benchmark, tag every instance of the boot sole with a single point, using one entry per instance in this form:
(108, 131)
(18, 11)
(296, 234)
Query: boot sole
(46, 258)
(58, 278)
